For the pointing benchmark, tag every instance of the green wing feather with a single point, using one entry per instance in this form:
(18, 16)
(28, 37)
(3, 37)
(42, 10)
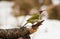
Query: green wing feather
(33, 18)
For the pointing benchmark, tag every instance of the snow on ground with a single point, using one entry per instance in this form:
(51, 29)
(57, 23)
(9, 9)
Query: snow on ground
(50, 29)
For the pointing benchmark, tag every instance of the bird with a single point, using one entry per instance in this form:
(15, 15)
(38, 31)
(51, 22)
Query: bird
(34, 18)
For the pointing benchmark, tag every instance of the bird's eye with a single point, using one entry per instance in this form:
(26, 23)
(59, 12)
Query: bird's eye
(41, 11)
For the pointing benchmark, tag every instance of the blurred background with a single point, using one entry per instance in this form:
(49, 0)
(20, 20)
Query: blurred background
(14, 13)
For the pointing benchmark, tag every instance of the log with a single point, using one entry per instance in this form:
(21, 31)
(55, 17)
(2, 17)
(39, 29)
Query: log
(19, 33)
(14, 33)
